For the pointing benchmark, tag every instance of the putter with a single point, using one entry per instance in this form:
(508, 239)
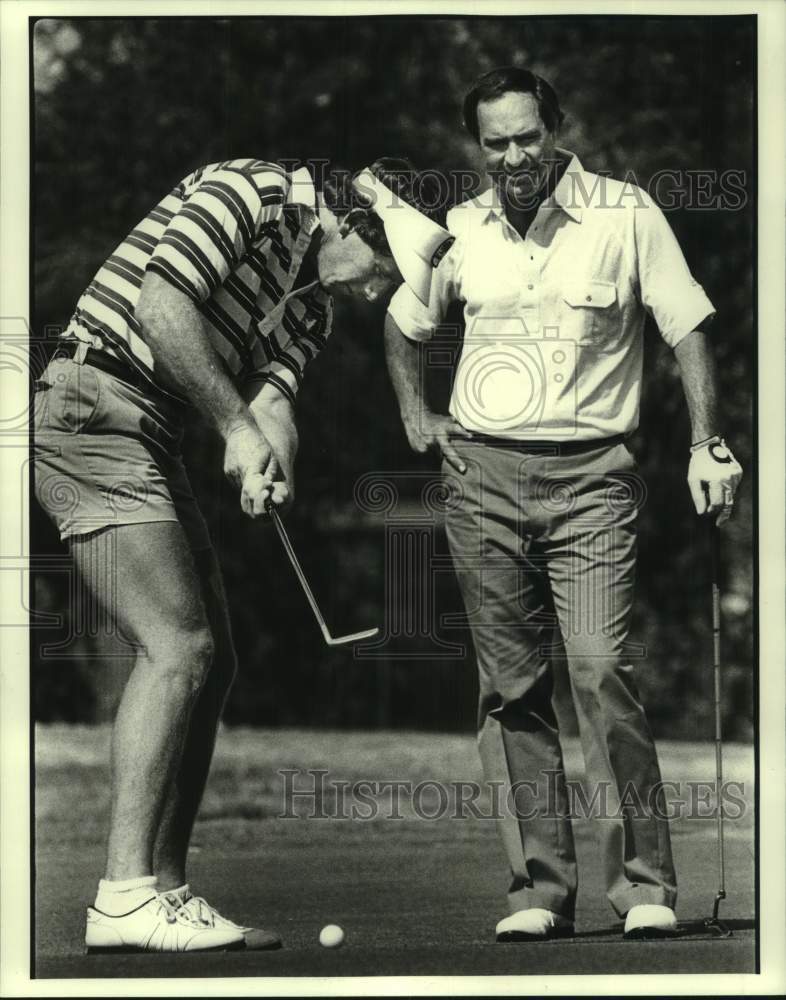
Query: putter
(714, 924)
(340, 640)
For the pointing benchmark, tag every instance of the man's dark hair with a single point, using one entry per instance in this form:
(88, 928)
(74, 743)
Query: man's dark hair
(421, 190)
(511, 79)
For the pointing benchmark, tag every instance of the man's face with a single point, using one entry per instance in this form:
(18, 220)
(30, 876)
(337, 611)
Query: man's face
(518, 148)
(349, 268)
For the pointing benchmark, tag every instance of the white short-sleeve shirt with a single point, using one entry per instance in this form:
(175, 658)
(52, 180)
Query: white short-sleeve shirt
(553, 341)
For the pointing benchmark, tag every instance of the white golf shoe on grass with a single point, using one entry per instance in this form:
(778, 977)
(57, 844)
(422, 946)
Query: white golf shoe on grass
(256, 938)
(535, 924)
(649, 920)
(160, 924)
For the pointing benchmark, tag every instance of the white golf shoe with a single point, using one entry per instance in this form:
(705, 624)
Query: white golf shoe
(256, 938)
(649, 920)
(157, 925)
(534, 925)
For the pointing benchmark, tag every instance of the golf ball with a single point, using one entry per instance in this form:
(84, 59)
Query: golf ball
(331, 936)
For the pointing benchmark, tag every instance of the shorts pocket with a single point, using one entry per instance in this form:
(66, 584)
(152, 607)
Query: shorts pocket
(592, 314)
(71, 399)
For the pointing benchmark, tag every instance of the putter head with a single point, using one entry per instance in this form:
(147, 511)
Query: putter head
(346, 640)
(717, 927)
(714, 924)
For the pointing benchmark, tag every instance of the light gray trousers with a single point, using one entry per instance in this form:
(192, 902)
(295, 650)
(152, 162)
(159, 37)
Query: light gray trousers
(544, 546)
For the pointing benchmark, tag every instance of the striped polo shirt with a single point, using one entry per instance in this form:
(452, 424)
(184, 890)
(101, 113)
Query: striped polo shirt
(232, 237)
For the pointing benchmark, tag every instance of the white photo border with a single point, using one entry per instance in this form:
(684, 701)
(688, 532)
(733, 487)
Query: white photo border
(15, 763)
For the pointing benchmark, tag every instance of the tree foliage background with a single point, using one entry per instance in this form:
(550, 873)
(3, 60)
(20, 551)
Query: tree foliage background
(125, 107)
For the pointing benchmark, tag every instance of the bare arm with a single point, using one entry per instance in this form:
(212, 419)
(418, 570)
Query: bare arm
(173, 329)
(403, 360)
(699, 382)
(424, 428)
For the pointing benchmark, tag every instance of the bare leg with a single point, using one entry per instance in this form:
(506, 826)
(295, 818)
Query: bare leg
(160, 608)
(183, 801)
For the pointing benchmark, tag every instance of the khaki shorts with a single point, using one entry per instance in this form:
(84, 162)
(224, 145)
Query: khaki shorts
(107, 454)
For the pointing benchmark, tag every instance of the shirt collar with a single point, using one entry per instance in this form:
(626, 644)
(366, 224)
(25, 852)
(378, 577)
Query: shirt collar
(301, 189)
(563, 195)
(572, 180)
(489, 201)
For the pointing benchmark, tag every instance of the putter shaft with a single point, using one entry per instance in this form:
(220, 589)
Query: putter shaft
(329, 639)
(716, 669)
(714, 923)
(282, 534)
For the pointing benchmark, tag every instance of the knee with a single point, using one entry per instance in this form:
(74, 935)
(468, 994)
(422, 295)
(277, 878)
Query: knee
(590, 672)
(200, 650)
(224, 667)
(605, 679)
(186, 655)
(517, 694)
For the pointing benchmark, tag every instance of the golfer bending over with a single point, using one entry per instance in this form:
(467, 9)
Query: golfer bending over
(218, 299)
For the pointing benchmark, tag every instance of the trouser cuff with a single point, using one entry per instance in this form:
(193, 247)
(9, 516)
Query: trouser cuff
(627, 898)
(532, 899)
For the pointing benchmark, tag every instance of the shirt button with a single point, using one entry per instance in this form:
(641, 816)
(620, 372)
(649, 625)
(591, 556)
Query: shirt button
(589, 298)
(530, 287)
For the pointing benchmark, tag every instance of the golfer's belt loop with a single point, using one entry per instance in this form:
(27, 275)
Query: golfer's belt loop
(80, 354)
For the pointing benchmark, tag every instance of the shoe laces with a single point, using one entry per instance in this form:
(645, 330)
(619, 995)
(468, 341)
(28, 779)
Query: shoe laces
(170, 905)
(207, 914)
(200, 910)
(180, 911)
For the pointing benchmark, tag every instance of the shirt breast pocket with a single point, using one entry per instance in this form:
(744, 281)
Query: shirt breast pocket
(591, 314)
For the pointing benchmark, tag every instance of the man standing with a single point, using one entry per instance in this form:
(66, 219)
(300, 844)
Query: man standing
(556, 268)
(219, 298)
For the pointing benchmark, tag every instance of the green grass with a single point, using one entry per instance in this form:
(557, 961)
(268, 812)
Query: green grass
(245, 790)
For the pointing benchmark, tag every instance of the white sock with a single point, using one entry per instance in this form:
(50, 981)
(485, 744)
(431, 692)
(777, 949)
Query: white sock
(117, 898)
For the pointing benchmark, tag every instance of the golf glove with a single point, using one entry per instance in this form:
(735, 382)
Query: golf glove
(713, 476)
